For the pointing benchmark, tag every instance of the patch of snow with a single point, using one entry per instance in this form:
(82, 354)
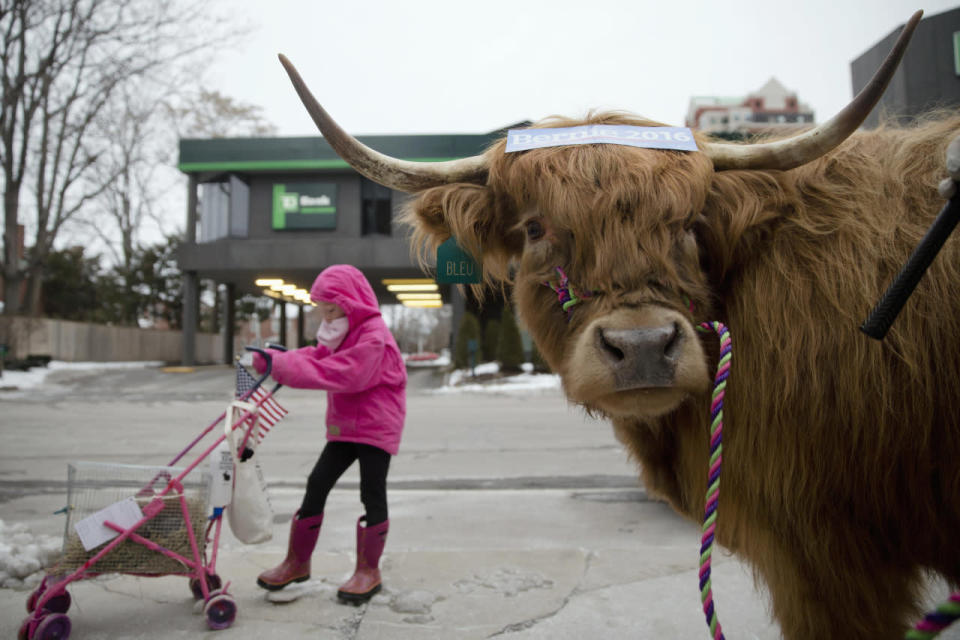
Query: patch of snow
(134, 364)
(24, 379)
(35, 376)
(24, 556)
(523, 383)
(416, 601)
(292, 592)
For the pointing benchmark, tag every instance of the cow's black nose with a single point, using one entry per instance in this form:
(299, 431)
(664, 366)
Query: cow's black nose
(641, 357)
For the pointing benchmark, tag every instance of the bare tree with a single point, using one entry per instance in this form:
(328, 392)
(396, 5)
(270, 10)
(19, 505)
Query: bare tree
(210, 114)
(129, 168)
(413, 328)
(63, 63)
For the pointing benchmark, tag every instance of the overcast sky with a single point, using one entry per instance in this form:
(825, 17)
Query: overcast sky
(425, 66)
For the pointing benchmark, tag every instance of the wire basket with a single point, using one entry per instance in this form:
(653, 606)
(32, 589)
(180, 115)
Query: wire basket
(93, 486)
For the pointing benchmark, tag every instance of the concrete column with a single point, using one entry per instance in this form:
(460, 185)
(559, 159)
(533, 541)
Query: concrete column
(191, 289)
(458, 302)
(283, 322)
(229, 320)
(191, 302)
(300, 339)
(191, 231)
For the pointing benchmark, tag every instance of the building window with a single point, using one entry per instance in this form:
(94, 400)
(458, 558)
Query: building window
(956, 52)
(224, 209)
(377, 211)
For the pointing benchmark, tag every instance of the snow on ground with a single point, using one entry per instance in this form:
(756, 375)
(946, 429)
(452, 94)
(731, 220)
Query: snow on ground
(35, 376)
(23, 556)
(459, 381)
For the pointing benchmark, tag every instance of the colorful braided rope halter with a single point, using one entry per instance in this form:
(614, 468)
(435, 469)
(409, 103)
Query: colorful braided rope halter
(713, 477)
(937, 620)
(566, 294)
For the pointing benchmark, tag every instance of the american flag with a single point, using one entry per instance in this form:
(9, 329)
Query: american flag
(270, 410)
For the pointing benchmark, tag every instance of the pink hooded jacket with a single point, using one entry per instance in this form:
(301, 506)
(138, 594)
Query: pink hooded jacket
(365, 378)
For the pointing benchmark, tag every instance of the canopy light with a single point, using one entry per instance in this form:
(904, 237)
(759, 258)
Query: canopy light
(412, 287)
(288, 288)
(292, 295)
(418, 296)
(389, 281)
(433, 304)
(266, 282)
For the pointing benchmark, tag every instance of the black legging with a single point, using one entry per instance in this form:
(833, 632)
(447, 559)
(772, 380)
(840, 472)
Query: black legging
(337, 458)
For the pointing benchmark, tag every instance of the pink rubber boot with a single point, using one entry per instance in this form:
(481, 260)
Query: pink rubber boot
(365, 581)
(296, 566)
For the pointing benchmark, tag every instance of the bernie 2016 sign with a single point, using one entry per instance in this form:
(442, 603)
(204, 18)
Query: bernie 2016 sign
(305, 205)
(676, 138)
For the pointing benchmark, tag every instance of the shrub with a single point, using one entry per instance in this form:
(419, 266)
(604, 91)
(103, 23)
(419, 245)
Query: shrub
(510, 345)
(536, 359)
(469, 330)
(491, 336)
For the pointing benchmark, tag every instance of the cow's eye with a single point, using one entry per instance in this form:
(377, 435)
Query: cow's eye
(534, 229)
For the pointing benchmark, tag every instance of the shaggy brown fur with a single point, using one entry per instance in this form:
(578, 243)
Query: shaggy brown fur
(841, 483)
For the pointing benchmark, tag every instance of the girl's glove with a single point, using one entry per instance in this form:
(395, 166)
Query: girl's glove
(259, 363)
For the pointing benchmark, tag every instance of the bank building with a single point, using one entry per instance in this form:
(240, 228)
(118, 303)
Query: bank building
(266, 215)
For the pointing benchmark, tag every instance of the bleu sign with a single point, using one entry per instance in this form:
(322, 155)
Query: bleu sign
(456, 266)
(676, 138)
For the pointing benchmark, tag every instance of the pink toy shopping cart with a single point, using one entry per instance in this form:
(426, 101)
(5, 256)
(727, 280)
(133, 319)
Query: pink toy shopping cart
(154, 520)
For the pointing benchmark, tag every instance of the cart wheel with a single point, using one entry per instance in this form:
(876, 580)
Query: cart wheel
(24, 632)
(55, 626)
(221, 610)
(213, 583)
(59, 603)
(35, 594)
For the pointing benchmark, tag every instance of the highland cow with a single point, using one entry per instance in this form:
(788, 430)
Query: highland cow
(841, 482)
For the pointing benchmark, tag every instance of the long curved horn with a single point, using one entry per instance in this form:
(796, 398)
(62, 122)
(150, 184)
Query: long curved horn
(810, 145)
(402, 175)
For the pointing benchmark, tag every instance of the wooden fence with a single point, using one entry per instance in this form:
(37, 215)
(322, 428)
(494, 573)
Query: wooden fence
(86, 342)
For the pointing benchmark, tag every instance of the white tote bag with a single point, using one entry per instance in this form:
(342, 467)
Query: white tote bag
(249, 514)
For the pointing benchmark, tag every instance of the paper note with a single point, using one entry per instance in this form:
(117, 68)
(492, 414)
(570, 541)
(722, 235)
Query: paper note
(94, 533)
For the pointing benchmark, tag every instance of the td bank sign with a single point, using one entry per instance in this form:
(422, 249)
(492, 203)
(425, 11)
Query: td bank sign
(305, 205)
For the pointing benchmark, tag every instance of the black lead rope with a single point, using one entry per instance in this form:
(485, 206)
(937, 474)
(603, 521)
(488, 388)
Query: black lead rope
(892, 302)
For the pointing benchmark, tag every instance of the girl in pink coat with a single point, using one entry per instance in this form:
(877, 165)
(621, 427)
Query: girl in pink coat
(357, 362)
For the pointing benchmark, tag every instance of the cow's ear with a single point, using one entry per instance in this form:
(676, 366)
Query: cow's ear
(738, 217)
(468, 212)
